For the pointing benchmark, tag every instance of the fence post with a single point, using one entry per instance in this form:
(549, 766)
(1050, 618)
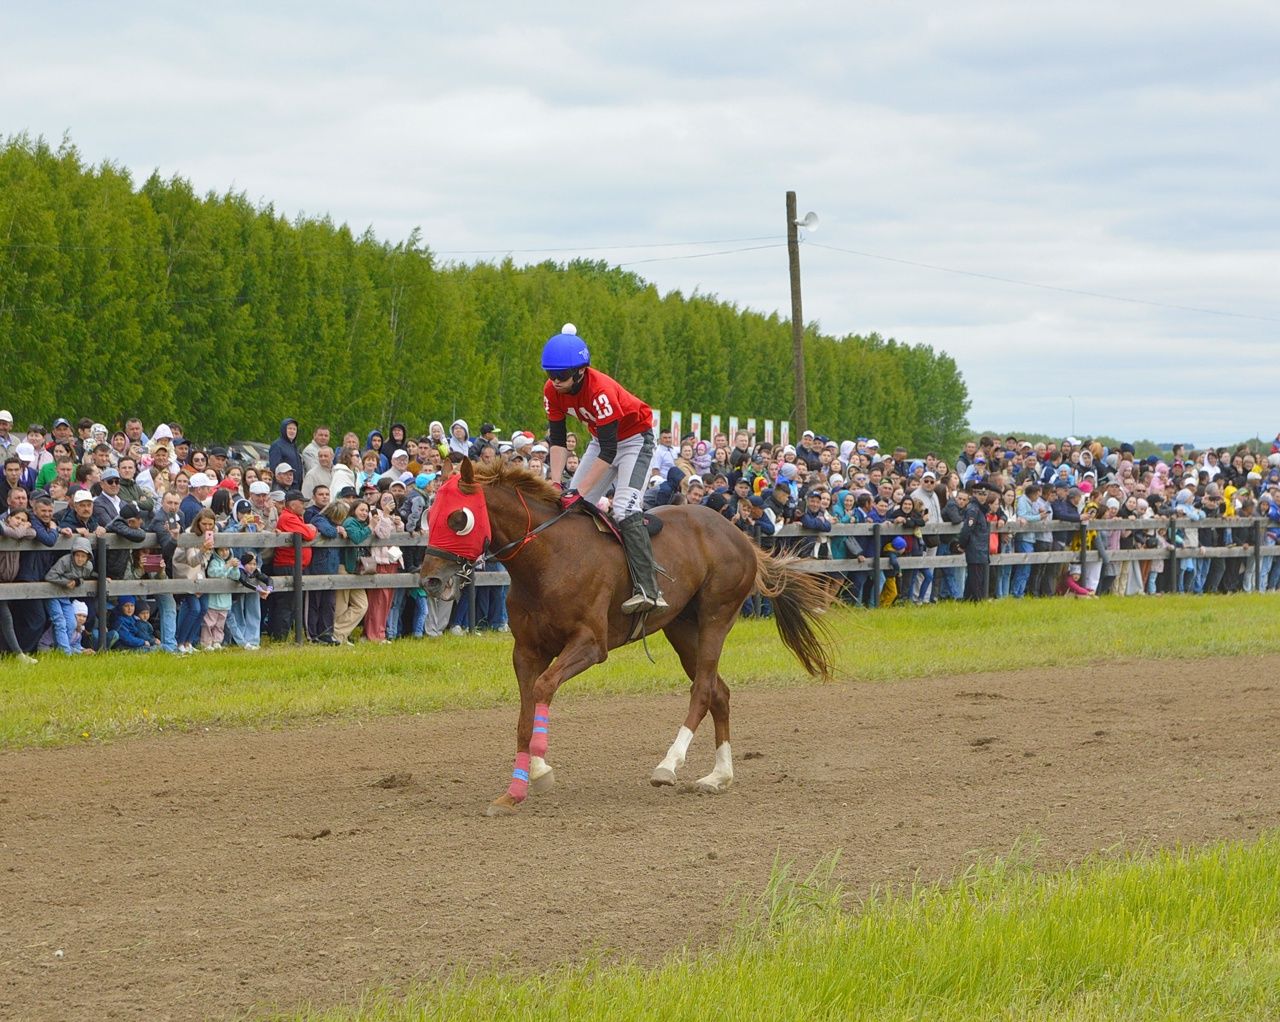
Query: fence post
(299, 597)
(471, 606)
(755, 598)
(100, 566)
(1084, 544)
(1172, 569)
(875, 564)
(1258, 535)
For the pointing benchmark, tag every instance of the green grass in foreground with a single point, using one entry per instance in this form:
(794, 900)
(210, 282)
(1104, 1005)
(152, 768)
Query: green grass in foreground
(1181, 935)
(64, 700)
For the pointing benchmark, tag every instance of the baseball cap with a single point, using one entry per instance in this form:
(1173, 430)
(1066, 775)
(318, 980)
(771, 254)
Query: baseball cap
(488, 427)
(217, 452)
(199, 479)
(424, 478)
(399, 454)
(874, 443)
(1072, 441)
(110, 473)
(60, 421)
(756, 500)
(519, 440)
(539, 448)
(5, 415)
(82, 495)
(807, 432)
(277, 495)
(25, 451)
(284, 466)
(98, 427)
(259, 486)
(928, 475)
(293, 495)
(130, 511)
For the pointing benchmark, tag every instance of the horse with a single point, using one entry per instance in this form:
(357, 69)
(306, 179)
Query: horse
(568, 583)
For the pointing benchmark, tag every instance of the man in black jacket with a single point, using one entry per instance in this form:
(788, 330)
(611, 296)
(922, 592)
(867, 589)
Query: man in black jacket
(975, 540)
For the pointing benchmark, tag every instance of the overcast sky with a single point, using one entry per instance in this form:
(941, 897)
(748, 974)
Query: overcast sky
(1125, 149)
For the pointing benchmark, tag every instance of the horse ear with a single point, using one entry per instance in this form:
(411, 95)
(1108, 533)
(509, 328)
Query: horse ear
(466, 471)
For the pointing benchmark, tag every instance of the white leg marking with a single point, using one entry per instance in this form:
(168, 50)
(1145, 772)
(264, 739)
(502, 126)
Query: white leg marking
(541, 777)
(665, 772)
(722, 776)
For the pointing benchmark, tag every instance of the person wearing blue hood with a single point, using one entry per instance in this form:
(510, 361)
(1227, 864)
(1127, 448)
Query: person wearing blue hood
(373, 442)
(285, 449)
(664, 492)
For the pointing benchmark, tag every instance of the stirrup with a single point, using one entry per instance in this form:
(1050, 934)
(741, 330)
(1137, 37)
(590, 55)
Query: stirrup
(639, 603)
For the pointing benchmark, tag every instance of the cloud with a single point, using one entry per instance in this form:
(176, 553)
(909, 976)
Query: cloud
(1128, 150)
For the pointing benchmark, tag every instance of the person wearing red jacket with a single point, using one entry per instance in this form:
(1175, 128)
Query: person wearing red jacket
(280, 604)
(619, 454)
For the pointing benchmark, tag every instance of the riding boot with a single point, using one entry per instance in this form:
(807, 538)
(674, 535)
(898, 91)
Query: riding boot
(644, 577)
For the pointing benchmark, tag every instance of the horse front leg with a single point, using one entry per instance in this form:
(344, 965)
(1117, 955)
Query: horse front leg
(539, 679)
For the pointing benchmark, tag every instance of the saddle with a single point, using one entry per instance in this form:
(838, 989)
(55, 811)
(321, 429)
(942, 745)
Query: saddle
(606, 523)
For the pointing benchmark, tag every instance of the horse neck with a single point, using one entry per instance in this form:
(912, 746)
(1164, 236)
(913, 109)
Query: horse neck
(510, 518)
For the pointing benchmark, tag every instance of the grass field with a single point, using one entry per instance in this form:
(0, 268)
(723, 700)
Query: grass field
(1179, 935)
(67, 700)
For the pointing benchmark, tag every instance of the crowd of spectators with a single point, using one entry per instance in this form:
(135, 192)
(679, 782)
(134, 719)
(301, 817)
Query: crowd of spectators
(83, 481)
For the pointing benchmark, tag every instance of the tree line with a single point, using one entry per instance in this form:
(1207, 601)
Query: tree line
(227, 316)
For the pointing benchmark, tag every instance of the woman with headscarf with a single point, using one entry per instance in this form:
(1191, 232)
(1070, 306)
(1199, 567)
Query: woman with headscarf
(459, 438)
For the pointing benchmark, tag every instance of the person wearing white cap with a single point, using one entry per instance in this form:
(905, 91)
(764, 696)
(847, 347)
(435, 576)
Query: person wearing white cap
(83, 517)
(7, 440)
(29, 458)
(202, 487)
(260, 498)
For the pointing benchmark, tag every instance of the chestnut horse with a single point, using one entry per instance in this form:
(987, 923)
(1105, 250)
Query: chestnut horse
(568, 582)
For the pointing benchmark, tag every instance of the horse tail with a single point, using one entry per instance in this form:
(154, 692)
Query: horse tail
(799, 599)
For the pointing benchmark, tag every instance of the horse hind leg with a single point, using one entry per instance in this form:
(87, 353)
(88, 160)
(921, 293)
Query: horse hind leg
(721, 777)
(699, 656)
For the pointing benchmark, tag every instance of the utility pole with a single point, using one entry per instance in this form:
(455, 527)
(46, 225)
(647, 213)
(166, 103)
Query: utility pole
(797, 317)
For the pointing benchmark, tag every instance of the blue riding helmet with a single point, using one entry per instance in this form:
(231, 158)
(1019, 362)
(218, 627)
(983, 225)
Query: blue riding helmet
(564, 351)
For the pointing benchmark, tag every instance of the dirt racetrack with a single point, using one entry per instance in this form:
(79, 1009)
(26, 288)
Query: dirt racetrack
(219, 874)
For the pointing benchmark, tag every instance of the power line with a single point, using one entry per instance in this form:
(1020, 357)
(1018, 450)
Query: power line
(1047, 287)
(703, 255)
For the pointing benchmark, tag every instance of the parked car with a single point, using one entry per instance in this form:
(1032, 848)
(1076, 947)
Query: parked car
(247, 452)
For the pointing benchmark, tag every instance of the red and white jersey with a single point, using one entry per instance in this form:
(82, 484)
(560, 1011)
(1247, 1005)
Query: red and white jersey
(599, 401)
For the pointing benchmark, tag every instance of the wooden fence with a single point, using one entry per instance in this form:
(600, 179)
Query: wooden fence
(1247, 543)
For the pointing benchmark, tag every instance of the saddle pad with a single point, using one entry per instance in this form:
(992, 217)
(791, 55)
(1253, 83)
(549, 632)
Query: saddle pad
(606, 524)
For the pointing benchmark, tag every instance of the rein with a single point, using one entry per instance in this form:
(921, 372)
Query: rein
(516, 545)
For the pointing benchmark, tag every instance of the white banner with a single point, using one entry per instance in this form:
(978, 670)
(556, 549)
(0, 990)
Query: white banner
(657, 422)
(784, 432)
(751, 431)
(695, 425)
(768, 431)
(676, 432)
(733, 427)
(715, 426)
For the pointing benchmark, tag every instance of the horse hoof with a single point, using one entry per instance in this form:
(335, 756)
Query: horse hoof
(503, 805)
(543, 783)
(662, 777)
(712, 786)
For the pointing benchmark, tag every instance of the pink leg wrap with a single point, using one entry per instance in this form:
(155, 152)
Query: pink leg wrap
(538, 743)
(518, 789)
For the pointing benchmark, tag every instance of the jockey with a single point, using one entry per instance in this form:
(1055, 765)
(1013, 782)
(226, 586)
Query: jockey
(621, 448)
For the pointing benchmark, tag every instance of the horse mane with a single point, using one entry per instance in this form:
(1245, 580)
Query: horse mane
(502, 473)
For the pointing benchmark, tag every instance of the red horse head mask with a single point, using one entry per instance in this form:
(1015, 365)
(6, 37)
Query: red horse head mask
(459, 519)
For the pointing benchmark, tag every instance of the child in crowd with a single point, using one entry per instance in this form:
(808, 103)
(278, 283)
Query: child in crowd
(69, 570)
(213, 630)
(1072, 586)
(79, 619)
(132, 630)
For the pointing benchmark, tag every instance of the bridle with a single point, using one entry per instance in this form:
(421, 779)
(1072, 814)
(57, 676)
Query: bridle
(466, 567)
(530, 530)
